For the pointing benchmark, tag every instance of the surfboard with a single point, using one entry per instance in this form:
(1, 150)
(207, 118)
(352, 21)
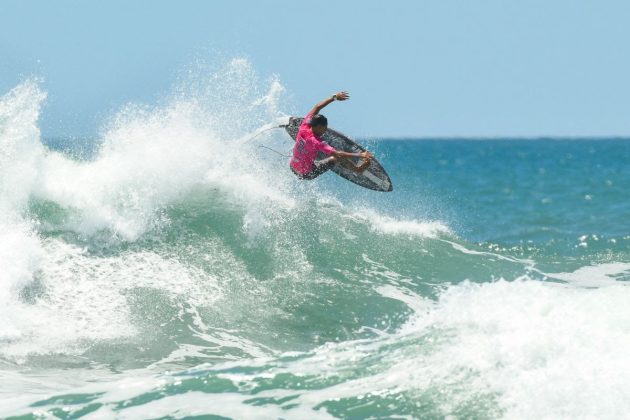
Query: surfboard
(374, 177)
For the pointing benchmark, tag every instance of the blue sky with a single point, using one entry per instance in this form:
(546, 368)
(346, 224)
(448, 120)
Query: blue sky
(414, 68)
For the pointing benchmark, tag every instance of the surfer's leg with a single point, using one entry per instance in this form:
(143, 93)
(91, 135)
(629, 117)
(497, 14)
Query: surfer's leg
(325, 163)
(319, 167)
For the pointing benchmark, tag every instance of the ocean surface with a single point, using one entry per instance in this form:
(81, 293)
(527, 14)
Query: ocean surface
(170, 268)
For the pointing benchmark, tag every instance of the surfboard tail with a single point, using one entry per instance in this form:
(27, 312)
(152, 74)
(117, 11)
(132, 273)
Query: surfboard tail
(281, 122)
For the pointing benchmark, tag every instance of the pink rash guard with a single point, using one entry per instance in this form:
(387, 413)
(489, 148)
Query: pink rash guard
(307, 145)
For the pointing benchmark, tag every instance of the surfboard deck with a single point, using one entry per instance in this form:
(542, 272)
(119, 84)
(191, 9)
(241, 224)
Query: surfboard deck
(374, 177)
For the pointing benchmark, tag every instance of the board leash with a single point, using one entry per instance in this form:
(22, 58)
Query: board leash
(264, 129)
(275, 151)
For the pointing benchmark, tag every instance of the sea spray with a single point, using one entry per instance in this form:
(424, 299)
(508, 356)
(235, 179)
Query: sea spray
(20, 154)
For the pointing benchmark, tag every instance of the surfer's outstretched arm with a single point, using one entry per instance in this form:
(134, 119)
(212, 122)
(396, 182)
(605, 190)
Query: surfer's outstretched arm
(341, 96)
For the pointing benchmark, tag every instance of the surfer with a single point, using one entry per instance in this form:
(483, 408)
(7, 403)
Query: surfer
(309, 142)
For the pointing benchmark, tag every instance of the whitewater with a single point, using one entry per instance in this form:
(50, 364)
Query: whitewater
(170, 268)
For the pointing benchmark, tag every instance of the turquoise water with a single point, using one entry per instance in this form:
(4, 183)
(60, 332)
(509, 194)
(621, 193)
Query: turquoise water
(144, 274)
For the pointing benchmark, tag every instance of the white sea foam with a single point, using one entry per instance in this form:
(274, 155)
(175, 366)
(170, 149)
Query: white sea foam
(599, 275)
(546, 350)
(387, 225)
(20, 152)
(85, 297)
(20, 254)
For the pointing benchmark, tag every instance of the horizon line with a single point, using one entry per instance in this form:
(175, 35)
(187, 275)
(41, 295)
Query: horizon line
(421, 138)
(496, 137)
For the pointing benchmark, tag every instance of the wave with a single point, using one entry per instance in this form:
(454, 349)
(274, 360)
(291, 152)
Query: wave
(501, 349)
(182, 257)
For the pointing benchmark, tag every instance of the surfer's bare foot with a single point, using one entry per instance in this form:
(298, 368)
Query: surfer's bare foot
(362, 167)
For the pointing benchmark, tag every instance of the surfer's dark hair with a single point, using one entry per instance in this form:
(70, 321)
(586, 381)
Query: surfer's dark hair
(318, 119)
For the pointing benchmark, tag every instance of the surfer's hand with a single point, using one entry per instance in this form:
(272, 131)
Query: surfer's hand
(366, 155)
(342, 96)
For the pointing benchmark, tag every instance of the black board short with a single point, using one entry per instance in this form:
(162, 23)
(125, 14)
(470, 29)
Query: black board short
(319, 167)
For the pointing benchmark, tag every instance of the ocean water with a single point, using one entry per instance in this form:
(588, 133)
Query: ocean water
(169, 268)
